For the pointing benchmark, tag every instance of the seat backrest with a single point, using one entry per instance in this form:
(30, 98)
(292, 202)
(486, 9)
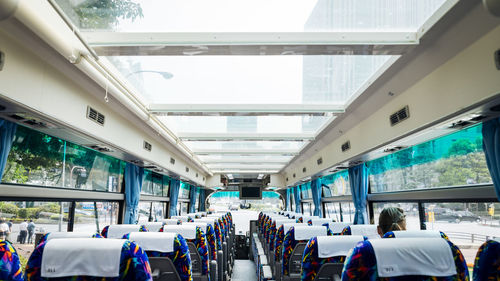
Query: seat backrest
(163, 269)
(210, 236)
(406, 259)
(296, 258)
(324, 250)
(193, 234)
(295, 235)
(10, 265)
(214, 222)
(118, 230)
(96, 259)
(59, 235)
(487, 262)
(280, 236)
(318, 221)
(165, 245)
(368, 230)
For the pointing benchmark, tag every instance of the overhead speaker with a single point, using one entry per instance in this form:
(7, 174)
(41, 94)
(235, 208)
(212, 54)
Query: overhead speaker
(493, 6)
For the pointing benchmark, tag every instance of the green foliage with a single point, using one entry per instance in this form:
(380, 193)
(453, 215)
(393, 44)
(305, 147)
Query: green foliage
(101, 14)
(8, 208)
(462, 147)
(28, 213)
(463, 169)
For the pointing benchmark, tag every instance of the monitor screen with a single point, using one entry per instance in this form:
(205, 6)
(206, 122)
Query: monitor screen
(250, 193)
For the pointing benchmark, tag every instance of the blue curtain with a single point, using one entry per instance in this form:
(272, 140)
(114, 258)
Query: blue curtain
(491, 147)
(192, 199)
(174, 195)
(316, 196)
(202, 199)
(288, 199)
(358, 178)
(296, 194)
(133, 185)
(7, 132)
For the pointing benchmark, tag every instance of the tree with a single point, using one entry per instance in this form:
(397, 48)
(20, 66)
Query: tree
(100, 14)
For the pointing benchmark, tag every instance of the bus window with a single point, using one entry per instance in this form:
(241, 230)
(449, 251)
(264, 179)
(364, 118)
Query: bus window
(85, 216)
(410, 210)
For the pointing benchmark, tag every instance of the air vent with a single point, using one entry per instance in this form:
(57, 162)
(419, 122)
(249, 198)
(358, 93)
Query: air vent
(2, 108)
(196, 174)
(95, 116)
(394, 149)
(203, 178)
(399, 116)
(286, 179)
(355, 163)
(187, 170)
(304, 170)
(319, 161)
(172, 161)
(151, 167)
(137, 162)
(346, 146)
(16, 117)
(293, 175)
(100, 148)
(147, 146)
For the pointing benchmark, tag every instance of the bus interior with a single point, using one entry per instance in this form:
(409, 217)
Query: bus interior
(223, 140)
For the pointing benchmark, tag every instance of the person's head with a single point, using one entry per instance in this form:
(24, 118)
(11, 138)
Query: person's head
(31, 220)
(391, 219)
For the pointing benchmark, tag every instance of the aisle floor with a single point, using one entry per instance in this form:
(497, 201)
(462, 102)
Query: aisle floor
(244, 270)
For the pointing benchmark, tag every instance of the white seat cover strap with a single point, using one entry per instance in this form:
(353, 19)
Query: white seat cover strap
(81, 256)
(413, 256)
(339, 245)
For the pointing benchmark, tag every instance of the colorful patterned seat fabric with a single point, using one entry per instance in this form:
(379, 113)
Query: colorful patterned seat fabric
(10, 265)
(487, 262)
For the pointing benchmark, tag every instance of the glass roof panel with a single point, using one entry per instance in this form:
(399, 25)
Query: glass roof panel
(250, 15)
(232, 145)
(245, 124)
(244, 159)
(249, 79)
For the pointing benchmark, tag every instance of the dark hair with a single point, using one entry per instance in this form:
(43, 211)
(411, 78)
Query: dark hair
(391, 219)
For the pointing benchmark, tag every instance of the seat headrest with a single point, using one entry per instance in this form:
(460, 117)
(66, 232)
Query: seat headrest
(339, 245)
(162, 242)
(182, 218)
(186, 231)
(170, 221)
(200, 224)
(317, 221)
(153, 226)
(118, 230)
(368, 230)
(306, 232)
(286, 226)
(208, 220)
(60, 235)
(337, 227)
(417, 234)
(413, 256)
(81, 256)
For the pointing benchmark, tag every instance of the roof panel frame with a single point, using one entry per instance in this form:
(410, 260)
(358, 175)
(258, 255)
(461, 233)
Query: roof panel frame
(253, 109)
(302, 137)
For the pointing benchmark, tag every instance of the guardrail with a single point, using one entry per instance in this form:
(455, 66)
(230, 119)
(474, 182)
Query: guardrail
(472, 237)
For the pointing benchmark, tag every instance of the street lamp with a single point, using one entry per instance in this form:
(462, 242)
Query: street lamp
(164, 74)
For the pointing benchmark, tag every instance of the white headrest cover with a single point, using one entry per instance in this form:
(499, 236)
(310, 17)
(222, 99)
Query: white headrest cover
(337, 227)
(170, 221)
(182, 218)
(317, 221)
(413, 256)
(81, 256)
(368, 230)
(59, 235)
(153, 226)
(186, 231)
(339, 245)
(280, 222)
(208, 220)
(417, 234)
(118, 230)
(200, 224)
(286, 226)
(154, 241)
(306, 232)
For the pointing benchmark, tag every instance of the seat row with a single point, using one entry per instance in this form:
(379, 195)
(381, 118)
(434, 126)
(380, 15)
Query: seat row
(356, 252)
(168, 251)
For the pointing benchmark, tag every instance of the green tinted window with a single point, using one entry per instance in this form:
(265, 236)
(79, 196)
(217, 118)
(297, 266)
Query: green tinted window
(453, 160)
